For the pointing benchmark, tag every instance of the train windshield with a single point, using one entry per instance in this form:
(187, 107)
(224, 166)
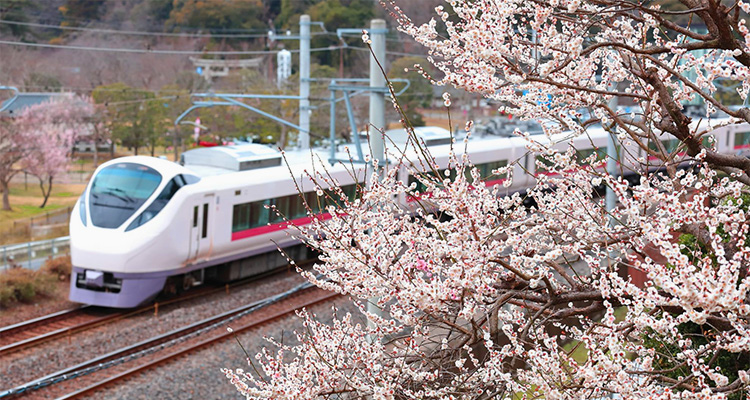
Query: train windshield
(118, 191)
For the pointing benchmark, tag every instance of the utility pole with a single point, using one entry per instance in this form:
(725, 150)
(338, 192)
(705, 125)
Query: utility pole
(175, 129)
(377, 115)
(377, 80)
(303, 139)
(612, 159)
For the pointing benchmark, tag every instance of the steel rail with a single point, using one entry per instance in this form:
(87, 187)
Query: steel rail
(149, 345)
(28, 324)
(93, 323)
(203, 344)
(62, 332)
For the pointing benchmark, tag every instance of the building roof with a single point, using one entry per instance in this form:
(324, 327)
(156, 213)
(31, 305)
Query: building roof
(16, 104)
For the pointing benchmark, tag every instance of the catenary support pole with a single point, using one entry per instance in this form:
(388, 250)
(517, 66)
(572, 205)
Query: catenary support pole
(612, 159)
(610, 200)
(377, 114)
(303, 138)
(332, 121)
(377, 80)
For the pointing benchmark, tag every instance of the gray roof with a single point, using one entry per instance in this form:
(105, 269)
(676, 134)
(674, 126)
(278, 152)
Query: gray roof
(241, 157)
(15, 105)
(431, 135)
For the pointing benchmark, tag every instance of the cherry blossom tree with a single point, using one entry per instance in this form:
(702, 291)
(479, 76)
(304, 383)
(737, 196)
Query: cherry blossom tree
(11, 153)
(50, 129)
(483, 297)
(553, 59)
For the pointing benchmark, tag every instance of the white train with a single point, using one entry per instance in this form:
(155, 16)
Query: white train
(146, 225)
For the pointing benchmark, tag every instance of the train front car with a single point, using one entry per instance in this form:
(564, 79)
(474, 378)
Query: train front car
(120, 231)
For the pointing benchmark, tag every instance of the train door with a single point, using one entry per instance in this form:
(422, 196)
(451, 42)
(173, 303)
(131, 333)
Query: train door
(201, 234)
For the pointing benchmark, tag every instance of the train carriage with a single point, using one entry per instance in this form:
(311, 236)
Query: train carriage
(146, 225)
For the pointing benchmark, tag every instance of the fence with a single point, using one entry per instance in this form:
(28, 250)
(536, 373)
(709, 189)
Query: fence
(29, 228)
(32, 254)
(51, 217)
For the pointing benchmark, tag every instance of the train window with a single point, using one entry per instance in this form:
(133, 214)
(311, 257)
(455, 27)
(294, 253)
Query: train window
(421, 187)
(241, 217)
(669, 145)
(281, 209)
(249, 215)
(709, 142)
(195, 216)
(190, 179)
(741, 139)
(543, 164)
(583, 154)
(204, 232)
(118, 190)
(289, 207)
(485, 170)
(258, 213)
(350, 191)
(315, 202)
(159, 202)
(296, 207)
(82, 208)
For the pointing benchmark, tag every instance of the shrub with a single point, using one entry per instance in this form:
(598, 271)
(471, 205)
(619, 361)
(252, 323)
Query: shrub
(59, 267)
(22, 285)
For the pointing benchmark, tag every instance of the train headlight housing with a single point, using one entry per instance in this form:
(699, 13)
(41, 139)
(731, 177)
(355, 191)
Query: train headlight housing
(82, 208)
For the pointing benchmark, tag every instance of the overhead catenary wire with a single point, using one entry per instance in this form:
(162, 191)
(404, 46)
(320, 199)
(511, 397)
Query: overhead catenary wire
(149, 33)
(63, 89)
(394, 53)
(397, 39)
(117, 103)
(157, 51)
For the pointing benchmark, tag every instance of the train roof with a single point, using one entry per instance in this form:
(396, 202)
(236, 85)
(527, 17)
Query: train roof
(165, 167)
(252, 162)
(234, 158)
(222, 160)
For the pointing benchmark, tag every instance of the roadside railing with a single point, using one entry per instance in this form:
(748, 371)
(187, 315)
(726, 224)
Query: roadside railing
(61, 215)
(33, 227)
(32, 254)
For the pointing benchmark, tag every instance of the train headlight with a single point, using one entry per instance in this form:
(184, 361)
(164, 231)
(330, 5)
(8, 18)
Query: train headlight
(82, 208)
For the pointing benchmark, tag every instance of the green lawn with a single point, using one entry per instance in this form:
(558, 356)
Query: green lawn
(579, 352)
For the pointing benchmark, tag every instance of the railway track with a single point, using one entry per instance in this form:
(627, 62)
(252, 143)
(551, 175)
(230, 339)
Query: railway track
(30, 324)
(67, 323)
(93, 375)
(54, 326)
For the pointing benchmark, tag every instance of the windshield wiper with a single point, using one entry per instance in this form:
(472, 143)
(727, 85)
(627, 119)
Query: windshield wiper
(113, 206)
(123, 196)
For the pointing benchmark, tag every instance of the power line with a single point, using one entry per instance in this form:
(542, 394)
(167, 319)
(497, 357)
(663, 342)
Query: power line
(147, 33)
(152, 51)
(395, 53)
(117, 103)
(137, 33)
(398, 39)
(87, 20)
(63, 89)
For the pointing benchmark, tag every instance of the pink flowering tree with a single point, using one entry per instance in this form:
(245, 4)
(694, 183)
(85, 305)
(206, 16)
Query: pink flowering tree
(12, 151)
(555, 59)
(496, 300)
(51, 128)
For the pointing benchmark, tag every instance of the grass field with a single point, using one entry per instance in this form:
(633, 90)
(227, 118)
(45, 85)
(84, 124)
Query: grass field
(25, 201)
(26, 197)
